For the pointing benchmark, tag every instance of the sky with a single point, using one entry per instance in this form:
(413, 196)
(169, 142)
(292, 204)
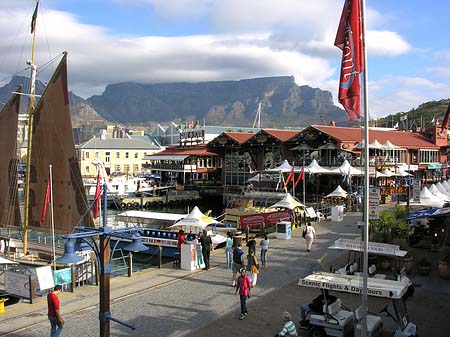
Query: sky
(149, 41)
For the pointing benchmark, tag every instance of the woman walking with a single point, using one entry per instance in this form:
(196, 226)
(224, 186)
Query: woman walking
(243, 287)
(310, 235)
(264, 248)
(252, 267)
(229, 249)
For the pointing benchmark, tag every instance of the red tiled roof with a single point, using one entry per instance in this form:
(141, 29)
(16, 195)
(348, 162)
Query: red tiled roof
(408, 140)
(187, 151)
(240, 137)
(282, 135)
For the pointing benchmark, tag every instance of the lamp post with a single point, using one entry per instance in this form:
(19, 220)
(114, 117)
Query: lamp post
(103, 255)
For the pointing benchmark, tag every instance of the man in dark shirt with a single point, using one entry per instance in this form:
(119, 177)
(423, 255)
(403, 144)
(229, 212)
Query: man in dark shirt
(207, 246)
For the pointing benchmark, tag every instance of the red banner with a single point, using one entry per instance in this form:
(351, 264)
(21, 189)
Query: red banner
(350, 40)
(98, 193)
(257, 220)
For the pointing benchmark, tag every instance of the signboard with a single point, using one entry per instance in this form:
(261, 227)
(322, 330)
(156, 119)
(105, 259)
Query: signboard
(63, 276)
(353, 284)
(17, 284)
(267, 219)
(416, 190)
(373, 247)
(374, 203)
(44, 276)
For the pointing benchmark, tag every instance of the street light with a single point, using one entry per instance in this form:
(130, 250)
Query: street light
(88, 235)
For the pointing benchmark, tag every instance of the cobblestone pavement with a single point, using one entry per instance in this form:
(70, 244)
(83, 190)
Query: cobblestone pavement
(203, 303)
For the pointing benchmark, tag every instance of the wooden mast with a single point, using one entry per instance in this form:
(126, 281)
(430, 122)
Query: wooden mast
(30, 131)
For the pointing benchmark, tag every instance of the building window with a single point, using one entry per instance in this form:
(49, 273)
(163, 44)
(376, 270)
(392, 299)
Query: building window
(127, 155)
(118, 167)
(136, 155)
(117, 155)
(107, 158)
(136, 168)
(127, 169)
(87, 169)
(87, 154)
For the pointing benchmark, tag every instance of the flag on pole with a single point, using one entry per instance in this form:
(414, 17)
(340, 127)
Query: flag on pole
(300, 177)
(290, 177)
(350, 40)
(98, 192)
(446, 118)
(34, 17)
(46, 201)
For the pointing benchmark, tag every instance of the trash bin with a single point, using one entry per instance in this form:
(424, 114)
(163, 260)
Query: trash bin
(284, 230)
(237, 239)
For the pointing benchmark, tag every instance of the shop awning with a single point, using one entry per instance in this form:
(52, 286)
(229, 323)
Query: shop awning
(176, 157)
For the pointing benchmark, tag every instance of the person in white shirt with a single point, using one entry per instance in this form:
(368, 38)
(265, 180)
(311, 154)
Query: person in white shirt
(310, 236)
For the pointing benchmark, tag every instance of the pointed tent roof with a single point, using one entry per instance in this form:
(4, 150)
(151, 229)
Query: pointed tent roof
(428, 199)
(315, 168)
(387, 172)
(338, 192)
(446, 185)
(283, 168)
(389, 146)
(376, 145)
(346, 169)
(287, 202)
(442, 189)
(435, 191)
(196, 219)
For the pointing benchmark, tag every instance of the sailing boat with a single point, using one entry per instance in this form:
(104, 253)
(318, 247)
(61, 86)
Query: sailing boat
(50, 142)
(53, 144)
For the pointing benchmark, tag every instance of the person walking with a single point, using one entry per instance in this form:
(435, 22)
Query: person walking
(243, 286)
(310, 235)
(54, 314)
(288, 329)
(229, 249)
(251, 244)
(252, 267)
(264, 248)
(238, 262)
(207, 246)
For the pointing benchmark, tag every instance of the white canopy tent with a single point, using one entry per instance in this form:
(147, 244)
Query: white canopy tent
(435, 191)
(429, 199)
(442, 189)
(285, 167)
(195, 221)
(387, 172)
(287, 202)
(315, 168)
(338, 192)
(389, 146)
(347, 169)
(446, 185)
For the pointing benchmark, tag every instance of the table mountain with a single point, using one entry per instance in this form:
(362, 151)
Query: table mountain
(228, 103)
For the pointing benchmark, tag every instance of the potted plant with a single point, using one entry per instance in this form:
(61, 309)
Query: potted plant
(423, 266)
(444, 263)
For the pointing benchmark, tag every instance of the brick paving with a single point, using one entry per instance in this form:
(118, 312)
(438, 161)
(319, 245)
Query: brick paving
(174, 303)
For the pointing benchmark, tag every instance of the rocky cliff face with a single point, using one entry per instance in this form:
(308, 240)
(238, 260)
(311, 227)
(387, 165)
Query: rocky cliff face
(228, 103)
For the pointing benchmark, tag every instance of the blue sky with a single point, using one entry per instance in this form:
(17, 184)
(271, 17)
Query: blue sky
(146, 41)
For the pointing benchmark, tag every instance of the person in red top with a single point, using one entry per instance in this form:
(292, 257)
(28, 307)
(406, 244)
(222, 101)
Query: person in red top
(54, 315)
(243, 285)
(181, 238)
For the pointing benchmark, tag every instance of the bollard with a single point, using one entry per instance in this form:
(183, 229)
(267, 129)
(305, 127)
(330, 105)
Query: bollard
(160, 257)
(130, 264)
(2, 304)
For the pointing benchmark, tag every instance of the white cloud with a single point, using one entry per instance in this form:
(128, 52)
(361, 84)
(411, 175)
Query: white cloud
(395, 94)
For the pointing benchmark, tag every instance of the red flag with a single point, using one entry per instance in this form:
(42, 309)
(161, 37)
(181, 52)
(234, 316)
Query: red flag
(98, 192)
(46, 201)
(290, 177)
(300, 177)
(350, 40)
(446, 118)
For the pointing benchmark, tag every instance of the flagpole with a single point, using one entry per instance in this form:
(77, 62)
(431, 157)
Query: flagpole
(293, 181)
(52, 222)
(304, 184)
(366, 174)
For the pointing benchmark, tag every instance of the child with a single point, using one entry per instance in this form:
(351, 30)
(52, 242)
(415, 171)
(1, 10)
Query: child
(289, 329)
(243, 285)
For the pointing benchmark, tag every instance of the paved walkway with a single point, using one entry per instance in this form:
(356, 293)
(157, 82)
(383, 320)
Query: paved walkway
(172, 302)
